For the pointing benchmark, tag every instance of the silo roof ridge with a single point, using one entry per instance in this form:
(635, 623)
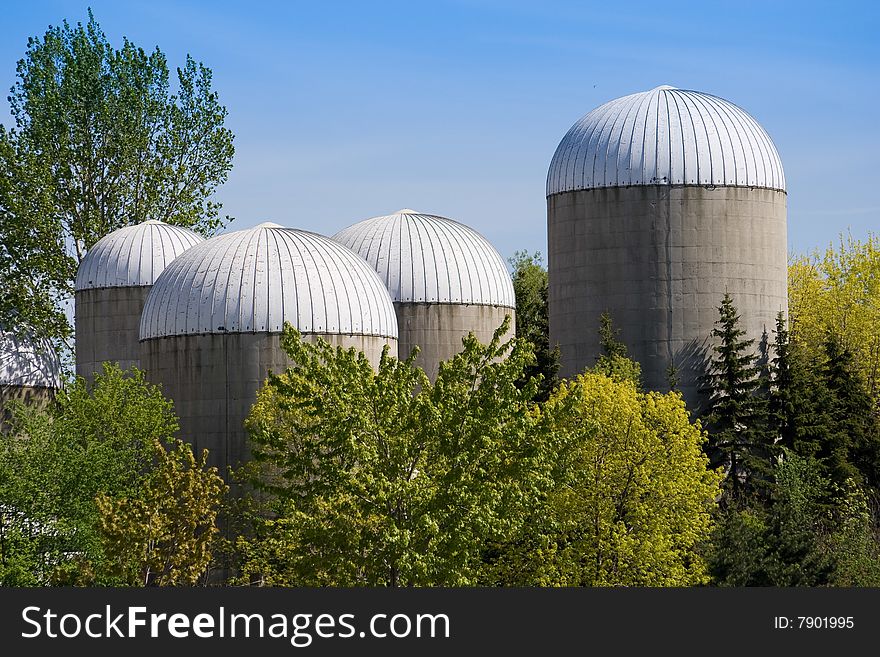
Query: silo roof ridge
(133, 256)
(253, 280)
(28, 363)
(427, 258)
(665, 136)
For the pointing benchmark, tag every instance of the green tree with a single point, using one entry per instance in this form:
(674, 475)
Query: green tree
(778, 543)
(100, 141)
(853, 448)
(530, 285)
(799, 400)
(614, 361)
(838, 292)
(162, 536)
(380, 478)
(738, 439)
(94, 440)
(632, 499)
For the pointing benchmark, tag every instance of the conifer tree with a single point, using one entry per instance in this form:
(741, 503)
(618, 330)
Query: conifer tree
(738, 440)
(799, 405)
(853, 448)
(614, 361)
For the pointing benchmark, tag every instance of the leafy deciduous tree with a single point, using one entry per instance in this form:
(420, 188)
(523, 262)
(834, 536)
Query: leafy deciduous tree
(531, 287)
(100, 141)
(162, 535)
(382, 478)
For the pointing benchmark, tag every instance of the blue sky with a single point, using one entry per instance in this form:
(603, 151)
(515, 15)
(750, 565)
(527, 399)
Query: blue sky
(346, 110)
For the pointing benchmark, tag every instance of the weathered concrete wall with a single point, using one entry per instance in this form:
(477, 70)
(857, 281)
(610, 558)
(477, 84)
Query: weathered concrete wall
(30, 395)
(107, 324)
(438, 328)
(659, 259)
(213, 380)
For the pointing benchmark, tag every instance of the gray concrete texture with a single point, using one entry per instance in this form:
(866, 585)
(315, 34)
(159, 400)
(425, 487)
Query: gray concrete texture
(213, 381)
(107, 322)
(438, 329)
(36, 396)
(659, 259)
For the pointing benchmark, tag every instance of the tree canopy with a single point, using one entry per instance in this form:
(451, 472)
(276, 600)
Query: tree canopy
(101, 140)
(379, 477)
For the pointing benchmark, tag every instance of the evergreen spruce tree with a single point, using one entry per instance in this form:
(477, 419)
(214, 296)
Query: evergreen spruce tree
(799, 405)
(614, 361)
(738, 439)
(853, 447)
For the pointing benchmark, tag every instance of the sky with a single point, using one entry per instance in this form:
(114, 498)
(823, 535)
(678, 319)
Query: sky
(348, 110)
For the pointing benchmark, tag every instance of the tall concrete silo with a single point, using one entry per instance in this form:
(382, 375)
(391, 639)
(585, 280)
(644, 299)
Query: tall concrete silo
(30, 372)
(112, 283)
(657, 204)
(210, 330)
(445, 279)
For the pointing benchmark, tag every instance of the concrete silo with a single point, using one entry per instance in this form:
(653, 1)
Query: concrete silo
(445, 279)
(111, 286)
(210, 330)
(657, 204)
(30, 372)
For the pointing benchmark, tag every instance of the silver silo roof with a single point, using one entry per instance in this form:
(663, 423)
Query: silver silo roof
(133, 256)
(28, 363)
(252, 281)
(665, 136)
(431, 259)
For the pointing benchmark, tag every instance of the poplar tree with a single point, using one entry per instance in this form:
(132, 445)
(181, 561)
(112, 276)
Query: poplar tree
(101, 139)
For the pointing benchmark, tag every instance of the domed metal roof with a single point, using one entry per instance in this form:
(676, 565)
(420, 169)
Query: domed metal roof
(252, 281)
(431, 259)
(134, 255)
(665, 136)
(28, 363)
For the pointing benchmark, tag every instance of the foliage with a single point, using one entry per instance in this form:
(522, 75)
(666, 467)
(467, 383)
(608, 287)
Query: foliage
(378, 477)
(799, 404)
(853, 447)
(162, 536)
(53, 464)
(614, 361)
(632, 500)
(100, 141)
(811, 533)
(738, 439)
(838, 293)
(531, 287)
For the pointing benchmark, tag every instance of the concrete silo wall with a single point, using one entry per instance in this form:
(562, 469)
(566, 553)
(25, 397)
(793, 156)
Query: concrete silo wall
(36, 396)
(213, 380)
(659, 259)
(107, 327)
(438, 329)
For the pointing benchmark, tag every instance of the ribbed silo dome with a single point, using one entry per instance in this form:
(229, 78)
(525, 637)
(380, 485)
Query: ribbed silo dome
(252, 281)
(665, 136)
(133, 256)
(28, 363)
(430, 259)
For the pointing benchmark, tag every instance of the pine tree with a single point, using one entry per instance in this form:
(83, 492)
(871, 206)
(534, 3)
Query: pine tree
(738, 439)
